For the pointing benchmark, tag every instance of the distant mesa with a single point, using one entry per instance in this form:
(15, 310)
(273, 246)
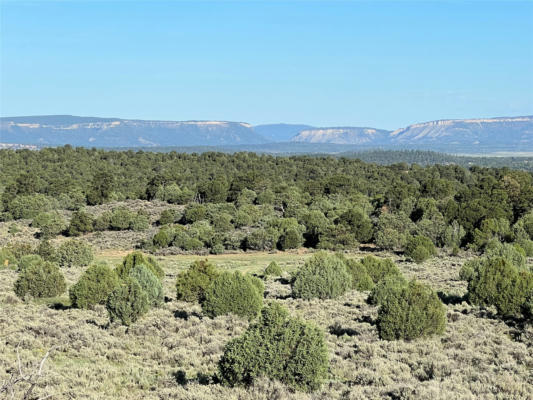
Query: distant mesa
(345, 135)
(114, 132)
(453, 135)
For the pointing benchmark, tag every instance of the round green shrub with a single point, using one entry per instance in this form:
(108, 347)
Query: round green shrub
(323, 275)
(192, 284)
(419, 248)
(140, 222)
(280, 347)
(27, 260)
(74, 253)
(385, 287)
(234, 293)
(194, 213)
(127, 302)
(169, 216)
(273, 269)
(379, 268)
(43, 279)
(121, 218)
(47, 251)
(411, 312)
(103, 222)
(50, 223)
(292, 238)
(497, 282)
(420, 254)
(80, 223)
(93, 287)
(218, 248)
(138, 258)
(163, 238)
(149, 283)
(361, 280)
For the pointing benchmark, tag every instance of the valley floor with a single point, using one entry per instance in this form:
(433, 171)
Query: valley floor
(172, 352)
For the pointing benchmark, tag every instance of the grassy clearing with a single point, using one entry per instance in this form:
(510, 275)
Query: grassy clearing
(172, 352)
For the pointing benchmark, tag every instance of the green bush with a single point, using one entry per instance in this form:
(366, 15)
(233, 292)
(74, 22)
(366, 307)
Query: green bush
(470, 268)
(28, 206)
(411, 312)
(121, 218)
(149, 283)
(393, 230)
(419, 248)
(93, 287)
(169, 216)
(360, 224)
(103, 222)
(497, 282)
(323, 275)
(273, 269)
(50, 223)
(292, 238)
(194, 213)
(280, 347)
(80, 223)
(384, 288)
(27, 260)
(43, 279)
(192, 284)
(20, 249)
(138, 258)
(127, 302)
(360, 279)
(47, 251)
(163, 238)
(234, 293)
(511, 252)
(262, 239)
(74, 253)
(140, 222)
(379, 268)
(218, 248)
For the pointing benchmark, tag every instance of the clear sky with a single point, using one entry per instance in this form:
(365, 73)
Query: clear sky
(378, 64)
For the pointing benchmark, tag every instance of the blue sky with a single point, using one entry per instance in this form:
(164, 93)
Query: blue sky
(379, 64)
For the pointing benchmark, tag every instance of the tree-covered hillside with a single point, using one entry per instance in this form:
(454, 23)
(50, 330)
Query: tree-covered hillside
(259, 202)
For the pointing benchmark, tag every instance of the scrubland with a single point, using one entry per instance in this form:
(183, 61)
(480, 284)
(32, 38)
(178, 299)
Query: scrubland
(172, 352)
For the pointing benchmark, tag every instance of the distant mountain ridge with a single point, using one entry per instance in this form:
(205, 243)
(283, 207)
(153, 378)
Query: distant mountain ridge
(451, 135)
(112, 132)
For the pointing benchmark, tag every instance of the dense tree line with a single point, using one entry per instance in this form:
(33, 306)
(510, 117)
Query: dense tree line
(284, 202)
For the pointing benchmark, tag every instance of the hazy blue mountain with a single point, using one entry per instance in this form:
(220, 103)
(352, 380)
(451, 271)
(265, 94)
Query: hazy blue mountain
(505, 132)
(472, 136)
(343, 135)
(468, 135)
(280, 132)
(112, 132)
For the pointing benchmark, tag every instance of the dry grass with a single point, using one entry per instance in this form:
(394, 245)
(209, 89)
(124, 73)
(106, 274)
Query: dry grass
(172, 352)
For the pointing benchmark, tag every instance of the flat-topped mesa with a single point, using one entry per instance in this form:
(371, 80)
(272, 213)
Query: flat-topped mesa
(341, 135)
(117, 132)
(488, 131)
